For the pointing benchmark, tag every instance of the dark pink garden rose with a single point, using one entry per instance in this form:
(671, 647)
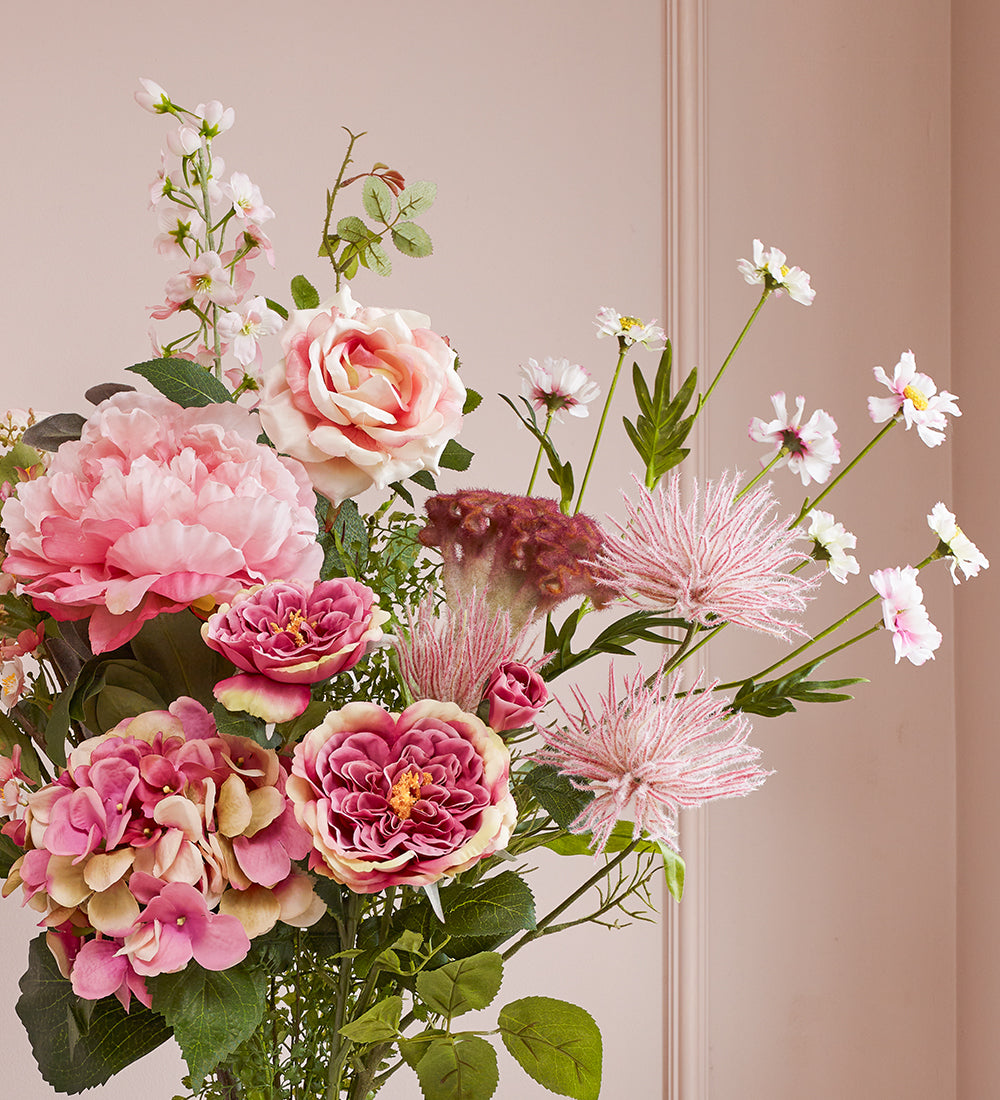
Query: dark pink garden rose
(515, 694)
(286, 636)
(401, 799)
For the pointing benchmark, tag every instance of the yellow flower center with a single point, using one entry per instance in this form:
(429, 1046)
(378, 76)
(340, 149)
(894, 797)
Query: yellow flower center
(296, 620)
(405, 791)
(630, 323)
(784, 271)
(914, 395)
(9, 683)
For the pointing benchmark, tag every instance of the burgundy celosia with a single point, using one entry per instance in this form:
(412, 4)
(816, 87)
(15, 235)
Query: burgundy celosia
(522, 552)
(401, 799)
(719, 561)
(650, 752)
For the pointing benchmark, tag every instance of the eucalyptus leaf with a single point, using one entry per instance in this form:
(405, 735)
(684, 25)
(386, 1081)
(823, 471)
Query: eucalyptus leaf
(52, 432)
(96, 394)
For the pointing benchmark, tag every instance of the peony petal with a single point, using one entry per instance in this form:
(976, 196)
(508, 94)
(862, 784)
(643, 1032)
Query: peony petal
(263, 698)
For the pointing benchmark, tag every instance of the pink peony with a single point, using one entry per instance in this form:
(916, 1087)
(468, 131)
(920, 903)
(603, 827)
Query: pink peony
(401, 799)
(155, 508)
(362, 397)
(515, 694)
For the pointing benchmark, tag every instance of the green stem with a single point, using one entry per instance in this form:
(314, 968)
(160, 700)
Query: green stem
(739, 340)
(330, 197)
(204, 161)
(549, 917)
(347, 928)
(622, 347)
(781, 453)
(538, 457)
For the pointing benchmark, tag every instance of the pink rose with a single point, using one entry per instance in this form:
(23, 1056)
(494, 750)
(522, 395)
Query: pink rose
(155, 508)
(515, 694)
(391, 799)
(363, 396)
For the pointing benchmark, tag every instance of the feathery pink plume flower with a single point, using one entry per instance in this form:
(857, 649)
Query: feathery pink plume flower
(914, 636)
(651, 756)
(812, 449)
(522, 553)
(720, 560)
(450, 656)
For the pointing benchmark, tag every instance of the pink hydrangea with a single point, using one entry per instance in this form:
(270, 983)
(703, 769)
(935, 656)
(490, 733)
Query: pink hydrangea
(401, 799)
(157, 507)
(363, 396)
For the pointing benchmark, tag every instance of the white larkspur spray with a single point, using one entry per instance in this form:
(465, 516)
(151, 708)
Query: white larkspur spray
(768, 268)
(629, 330)
(557, 386)
(812, 449)
(832, 541)
(649, 752)
(914, 636)
(916, 396)
(964, 553)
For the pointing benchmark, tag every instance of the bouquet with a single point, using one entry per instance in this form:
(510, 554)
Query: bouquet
(283, 724)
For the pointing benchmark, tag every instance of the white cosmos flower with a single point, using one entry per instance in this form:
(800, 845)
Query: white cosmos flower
(812, 447)
(964, 553)
(631, 330)
(832, 543)
(914, 636)
(769, 268)
(916, 395)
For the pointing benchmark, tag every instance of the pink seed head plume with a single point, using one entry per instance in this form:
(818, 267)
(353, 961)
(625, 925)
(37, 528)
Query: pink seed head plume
(452, 655)
(521, 552)
(648, 757)
(718, 562)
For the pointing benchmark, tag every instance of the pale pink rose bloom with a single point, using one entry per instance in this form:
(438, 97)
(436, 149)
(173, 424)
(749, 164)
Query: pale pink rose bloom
(650, 752)
(916, 395)
(401, 799)
(813, 448)
(363, 397)
(155, 508)
(914, 636)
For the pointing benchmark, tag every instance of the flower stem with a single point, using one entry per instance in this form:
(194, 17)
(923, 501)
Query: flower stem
(538, 457)
(330, 197)
(732, 351)
(622, 346)
(779, 455)
(204, 159)
(549, 917)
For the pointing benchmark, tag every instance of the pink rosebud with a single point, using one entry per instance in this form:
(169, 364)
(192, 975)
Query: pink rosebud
(515, 694)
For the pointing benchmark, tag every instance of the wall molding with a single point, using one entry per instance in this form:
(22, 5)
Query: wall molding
(686, 1002)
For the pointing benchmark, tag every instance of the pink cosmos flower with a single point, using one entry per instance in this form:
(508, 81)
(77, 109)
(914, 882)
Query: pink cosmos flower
(812, 449)
(451, 653)
(651, 752)
(154, 508)
(558, 386)
(515, 694)
(721, 560)
(288, 636)
(522, 553)
(914, 636)
(363, 397)
(916, 397)
(401, 799)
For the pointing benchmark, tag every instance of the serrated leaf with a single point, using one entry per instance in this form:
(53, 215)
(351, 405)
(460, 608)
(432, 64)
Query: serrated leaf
(458, 1069)
(376, 197)
(556, 1043)
(211, 1011)
(380, 1024)
(455, 456)
(472, 402)
(500, 906)
(416, 198)
(554, 792)
(461, 986)
(354, 230)
(182, 381)
(304, 294)
(425, 479)
(375, 258)
(80, 1044)
(412, 239)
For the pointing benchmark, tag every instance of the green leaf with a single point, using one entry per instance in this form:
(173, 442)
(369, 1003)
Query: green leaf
(240, 724)
(412, 240)
(774, 697)
(455, 456)
(354, 230)
(556, 1043)
(425, 479)
(578, 844)
(380, 1024)
(304, 294)
(80, 1044)
(19, 457)
(278, 308)
(50, 434)
(211, 1011)
(472, 402)
(346, 543)
(172, 644)
(554, 792)
(560, 472)
(461, 986)
(376, 259)
(186, 383)
(416, 198)
(673, 868)
(377, 199)
(458, 1069)
(500, 906)
(11, 735)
